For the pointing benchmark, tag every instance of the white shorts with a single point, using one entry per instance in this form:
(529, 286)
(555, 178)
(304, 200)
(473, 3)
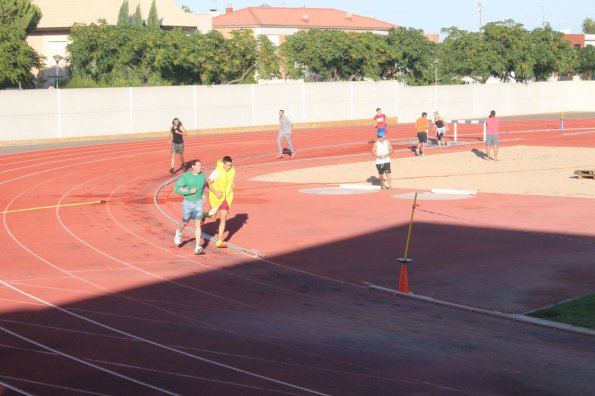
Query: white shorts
(440, 131)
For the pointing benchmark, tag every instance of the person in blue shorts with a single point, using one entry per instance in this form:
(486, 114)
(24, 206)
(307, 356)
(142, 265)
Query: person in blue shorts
(192, 186)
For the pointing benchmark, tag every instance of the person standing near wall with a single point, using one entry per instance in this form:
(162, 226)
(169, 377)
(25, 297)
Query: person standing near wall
(492, 130)
(285, 129)
(177, 143)
(382, 150)
(380, 119)
(441, 128)
(191, 186)
(421, 126)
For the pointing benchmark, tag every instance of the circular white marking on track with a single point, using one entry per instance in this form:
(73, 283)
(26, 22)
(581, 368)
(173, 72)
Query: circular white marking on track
(336, 191)
(429, 196)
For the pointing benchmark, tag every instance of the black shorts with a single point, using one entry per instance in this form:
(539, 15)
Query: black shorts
(422, 137)
(383, 168)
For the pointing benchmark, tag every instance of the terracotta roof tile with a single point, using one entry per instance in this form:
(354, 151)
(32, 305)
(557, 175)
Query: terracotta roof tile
(298, 17)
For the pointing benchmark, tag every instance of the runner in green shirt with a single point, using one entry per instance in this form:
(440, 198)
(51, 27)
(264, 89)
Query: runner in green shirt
(192, 186)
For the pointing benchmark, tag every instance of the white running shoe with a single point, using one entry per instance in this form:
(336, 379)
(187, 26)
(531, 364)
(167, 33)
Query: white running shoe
(199, 250)
(178, 237)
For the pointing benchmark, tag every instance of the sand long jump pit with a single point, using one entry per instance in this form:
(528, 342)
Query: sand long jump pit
(531, 170)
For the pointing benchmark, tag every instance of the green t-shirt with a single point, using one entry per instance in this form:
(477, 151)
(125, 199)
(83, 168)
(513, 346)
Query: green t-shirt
(187, 182)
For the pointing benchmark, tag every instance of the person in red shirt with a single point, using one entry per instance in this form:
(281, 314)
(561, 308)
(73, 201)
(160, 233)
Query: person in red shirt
(380, 122)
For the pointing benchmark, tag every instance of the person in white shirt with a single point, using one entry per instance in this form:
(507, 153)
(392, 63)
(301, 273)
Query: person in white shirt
(382, 150)
(285, 129)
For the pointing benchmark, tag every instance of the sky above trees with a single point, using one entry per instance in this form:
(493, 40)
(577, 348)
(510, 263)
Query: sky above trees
(433, 15)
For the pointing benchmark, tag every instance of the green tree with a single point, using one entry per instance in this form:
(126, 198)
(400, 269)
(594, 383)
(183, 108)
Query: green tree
(550, 53)
(153, 19)
(186, 8)
(137, 18)
(589, 26)
(332, 55)
(512, 44)
(465, 54)
(123, 17)
(21, 15)
(586, 62)
(17, 59)
(268, 61)
(413, 55)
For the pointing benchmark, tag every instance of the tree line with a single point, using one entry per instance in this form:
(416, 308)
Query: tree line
(137, 55)
(133, 53)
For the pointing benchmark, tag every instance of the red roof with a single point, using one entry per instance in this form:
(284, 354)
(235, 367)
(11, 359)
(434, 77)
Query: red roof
(298, 17)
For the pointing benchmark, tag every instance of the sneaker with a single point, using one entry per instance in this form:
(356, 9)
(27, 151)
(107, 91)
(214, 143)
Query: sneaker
(280, 156)
(416, 151)
(293, 154)
(178, 237)
(199, 251)
(172, 171)
(389, 189)
(221, 244)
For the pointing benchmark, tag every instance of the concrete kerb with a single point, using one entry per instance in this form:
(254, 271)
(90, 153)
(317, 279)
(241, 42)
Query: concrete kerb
(496, 314)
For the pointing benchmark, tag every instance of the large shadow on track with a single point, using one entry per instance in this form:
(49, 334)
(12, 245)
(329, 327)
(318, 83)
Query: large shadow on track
(324, 332)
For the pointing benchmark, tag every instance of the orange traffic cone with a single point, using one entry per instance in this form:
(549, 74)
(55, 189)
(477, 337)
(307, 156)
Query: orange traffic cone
(403, 278)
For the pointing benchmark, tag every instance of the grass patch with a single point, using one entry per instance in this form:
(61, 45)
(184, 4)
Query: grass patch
(579, 312)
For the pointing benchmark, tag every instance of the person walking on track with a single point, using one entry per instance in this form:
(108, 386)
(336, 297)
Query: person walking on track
(421, 126)
(382, 150)
(285, 129)
(380, 119)
(177, 143)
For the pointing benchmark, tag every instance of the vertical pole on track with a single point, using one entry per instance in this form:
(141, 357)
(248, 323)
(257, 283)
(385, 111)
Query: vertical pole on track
(484, 130)
(455, 134)
(403, 285)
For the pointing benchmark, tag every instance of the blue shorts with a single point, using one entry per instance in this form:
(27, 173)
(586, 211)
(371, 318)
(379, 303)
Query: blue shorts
(192, 210)
(491, 140)
(381, 131)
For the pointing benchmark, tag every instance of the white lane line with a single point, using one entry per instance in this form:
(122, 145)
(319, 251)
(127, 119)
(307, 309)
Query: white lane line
(194, 377)
(14, 388)
(577, 133)
(74, 358)
(147, 341)
(28, 381)
(47, 327)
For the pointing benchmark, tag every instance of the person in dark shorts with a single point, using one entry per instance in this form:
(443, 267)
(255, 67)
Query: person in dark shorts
(382, 150)
(177, 143)
(421, 126)
(441, 128)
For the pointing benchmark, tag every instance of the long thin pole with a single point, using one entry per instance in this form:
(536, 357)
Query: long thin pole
(410, 226)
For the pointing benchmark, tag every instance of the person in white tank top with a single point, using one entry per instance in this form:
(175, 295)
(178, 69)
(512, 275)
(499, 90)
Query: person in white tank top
(382, 150)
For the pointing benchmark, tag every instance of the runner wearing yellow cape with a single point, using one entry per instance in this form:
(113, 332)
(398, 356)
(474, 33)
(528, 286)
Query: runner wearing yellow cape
(221, 186)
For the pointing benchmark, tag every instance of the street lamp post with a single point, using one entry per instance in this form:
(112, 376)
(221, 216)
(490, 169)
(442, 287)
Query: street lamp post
(435, 84)
(57, 58)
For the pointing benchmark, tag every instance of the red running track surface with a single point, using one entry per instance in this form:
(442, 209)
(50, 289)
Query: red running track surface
(97, 300)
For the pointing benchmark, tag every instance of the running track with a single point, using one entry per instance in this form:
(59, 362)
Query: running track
(97, 300)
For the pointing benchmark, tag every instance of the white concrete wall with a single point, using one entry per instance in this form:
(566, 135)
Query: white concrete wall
(46, 114)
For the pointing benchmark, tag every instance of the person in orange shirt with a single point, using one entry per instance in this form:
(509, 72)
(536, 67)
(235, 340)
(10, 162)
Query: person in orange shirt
(421, 126)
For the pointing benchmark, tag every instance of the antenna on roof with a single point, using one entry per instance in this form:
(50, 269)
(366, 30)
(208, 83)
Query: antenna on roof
(480, 5)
